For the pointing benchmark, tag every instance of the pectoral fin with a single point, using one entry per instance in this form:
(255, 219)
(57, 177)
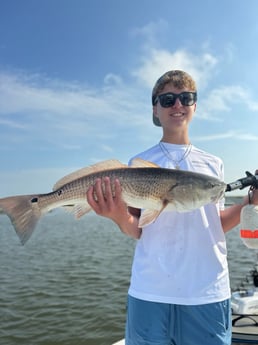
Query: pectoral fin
(78, 210)
(149, 216)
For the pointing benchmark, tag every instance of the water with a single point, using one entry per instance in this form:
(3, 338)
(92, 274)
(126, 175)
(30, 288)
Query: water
(68, 284)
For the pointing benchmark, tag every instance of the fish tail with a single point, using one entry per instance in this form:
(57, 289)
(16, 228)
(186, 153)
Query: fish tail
(24, 213)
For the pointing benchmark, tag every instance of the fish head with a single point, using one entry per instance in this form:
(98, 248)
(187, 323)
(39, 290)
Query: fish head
(195, 190)
(218, 192)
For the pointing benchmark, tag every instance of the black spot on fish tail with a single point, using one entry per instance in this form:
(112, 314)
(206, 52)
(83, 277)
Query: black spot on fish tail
(34, 200)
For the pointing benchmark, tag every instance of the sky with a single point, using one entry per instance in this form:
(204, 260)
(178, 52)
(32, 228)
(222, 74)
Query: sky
(76, 78)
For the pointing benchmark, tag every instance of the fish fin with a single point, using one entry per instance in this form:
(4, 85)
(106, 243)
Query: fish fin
(149, 216)
(141, 163)
(81, 210)
(68, 208)
(105, 165)
(24, 213)
(78, 210)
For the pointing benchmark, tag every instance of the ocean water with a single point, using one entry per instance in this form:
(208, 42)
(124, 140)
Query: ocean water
(68, 284)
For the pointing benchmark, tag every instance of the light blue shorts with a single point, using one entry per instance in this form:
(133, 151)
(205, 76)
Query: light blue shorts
(151, 323)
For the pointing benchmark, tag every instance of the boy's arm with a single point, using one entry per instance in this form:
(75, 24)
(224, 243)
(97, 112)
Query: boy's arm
(230, 217)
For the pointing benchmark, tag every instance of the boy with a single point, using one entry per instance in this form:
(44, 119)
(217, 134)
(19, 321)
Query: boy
(179, 292)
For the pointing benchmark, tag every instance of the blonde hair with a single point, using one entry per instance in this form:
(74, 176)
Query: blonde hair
(177, 78)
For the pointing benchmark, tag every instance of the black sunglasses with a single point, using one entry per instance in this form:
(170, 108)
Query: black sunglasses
(168, 99)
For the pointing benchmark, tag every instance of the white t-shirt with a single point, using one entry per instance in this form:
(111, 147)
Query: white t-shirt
(181, 258)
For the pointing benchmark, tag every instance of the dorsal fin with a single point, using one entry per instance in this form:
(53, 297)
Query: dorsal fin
(105, 165)
(141, 163)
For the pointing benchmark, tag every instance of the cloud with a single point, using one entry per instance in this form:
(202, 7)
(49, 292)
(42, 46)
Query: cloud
(29, 181)
(30, 93)
(37, 109)
(233, 134)
(155, 60)
(54, 110)
(158, 61)
(151, 33)
(11, 124)
(223, 99)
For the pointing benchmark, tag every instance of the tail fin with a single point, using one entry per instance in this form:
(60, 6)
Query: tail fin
(23, 212)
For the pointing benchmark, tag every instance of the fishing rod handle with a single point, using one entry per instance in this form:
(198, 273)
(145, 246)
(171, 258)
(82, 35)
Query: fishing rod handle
(249, 180)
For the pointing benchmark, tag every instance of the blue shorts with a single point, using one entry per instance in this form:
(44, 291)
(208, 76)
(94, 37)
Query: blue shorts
(151, 323)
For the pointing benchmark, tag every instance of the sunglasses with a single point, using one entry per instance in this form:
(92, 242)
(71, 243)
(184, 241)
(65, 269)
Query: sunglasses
(167, 100)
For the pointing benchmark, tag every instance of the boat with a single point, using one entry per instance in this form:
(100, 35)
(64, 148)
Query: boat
(244, 304)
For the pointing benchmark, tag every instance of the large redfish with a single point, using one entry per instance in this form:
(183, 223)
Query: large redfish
(144, 185)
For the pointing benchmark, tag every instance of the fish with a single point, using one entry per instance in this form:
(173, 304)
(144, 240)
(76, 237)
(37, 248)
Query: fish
(144, 185)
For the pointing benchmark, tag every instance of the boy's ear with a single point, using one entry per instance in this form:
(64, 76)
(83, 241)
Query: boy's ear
(155, 117)
(154, 110)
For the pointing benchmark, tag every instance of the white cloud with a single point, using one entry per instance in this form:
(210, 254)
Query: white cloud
(158, 61)
(151, 33)
(52, 110)
(23, 93)
(223, 99)
(233, 134)
(31, 181)
(60, 114)
(155, 60)
(12, 124)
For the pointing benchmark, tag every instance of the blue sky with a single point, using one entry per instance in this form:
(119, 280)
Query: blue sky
(76, 78)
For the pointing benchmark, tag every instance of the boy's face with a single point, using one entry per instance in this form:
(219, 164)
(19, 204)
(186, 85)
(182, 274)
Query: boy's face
(177, 116)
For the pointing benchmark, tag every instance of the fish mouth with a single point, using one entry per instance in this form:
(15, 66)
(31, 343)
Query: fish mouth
(217, 197)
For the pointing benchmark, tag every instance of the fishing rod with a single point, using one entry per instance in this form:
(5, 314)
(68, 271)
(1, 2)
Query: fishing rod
(249, 180)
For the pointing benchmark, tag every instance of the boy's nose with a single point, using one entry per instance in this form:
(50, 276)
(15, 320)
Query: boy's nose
(177, 103)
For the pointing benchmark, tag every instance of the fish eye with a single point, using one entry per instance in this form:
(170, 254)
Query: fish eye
(214, 185)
